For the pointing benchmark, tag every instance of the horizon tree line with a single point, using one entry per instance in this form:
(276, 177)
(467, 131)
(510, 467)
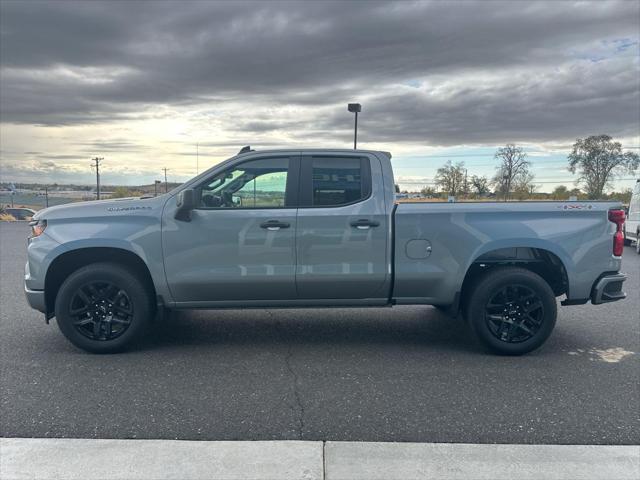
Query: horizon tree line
(598, 160)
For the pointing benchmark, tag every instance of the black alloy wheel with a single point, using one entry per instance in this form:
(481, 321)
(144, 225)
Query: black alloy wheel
(101, 310)
(511, 310)
(104, 307)
(514, 314)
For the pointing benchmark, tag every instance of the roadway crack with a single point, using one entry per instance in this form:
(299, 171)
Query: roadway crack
(299, 406)
(296, 392)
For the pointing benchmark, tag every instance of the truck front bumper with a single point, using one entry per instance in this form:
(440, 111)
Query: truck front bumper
(36, 299)
(608, 289)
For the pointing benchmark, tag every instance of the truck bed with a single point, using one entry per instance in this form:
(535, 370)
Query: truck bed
(436, 243)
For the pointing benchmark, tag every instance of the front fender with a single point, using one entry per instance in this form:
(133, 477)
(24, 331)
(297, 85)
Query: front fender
(138, 234)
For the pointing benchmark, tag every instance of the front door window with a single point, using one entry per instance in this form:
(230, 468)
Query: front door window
(253, 184)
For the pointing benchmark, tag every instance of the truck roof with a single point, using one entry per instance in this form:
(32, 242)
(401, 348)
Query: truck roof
(247, 150)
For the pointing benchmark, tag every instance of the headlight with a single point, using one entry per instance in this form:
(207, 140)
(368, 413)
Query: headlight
(37, 227)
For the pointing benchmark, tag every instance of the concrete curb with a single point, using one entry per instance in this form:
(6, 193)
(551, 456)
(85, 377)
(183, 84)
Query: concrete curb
(71, 459)
(78, 459)
(449, 461)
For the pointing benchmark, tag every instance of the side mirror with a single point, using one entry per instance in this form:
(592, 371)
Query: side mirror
(185, 202)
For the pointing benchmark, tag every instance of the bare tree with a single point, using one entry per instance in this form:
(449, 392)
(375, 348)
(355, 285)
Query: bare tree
(599, 160)
(513, 166)
(450, 178)
(523, 186)
(480, 185)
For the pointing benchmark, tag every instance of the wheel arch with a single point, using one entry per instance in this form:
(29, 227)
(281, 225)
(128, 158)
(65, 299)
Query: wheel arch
(68, 262)
(541, 261)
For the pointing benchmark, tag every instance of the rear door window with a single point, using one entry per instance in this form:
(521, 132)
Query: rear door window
(338, 181)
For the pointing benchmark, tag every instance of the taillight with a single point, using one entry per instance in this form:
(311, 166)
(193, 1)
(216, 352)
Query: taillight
(617, 217)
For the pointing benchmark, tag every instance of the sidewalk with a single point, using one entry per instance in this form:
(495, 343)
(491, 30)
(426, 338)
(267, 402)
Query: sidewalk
(72, 459)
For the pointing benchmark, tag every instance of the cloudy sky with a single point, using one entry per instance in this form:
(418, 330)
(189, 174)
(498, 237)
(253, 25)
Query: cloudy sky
(146, 84)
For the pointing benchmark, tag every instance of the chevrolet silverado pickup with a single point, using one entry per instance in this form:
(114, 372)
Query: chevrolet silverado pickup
(318, 227)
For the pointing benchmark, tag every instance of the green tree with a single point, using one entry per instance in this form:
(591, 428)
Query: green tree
(561, 192)
(623, 197)
(575, 192)
(598, 159)
(429, 192)
(450, 178)
(121, 192)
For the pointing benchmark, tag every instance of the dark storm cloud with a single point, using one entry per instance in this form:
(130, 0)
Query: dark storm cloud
(71, 62)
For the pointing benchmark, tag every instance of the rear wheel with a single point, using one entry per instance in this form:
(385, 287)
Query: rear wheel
(511, 310)
(103, 308)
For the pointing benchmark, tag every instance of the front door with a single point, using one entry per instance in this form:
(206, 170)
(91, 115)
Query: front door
(240, 241)
(342, 230)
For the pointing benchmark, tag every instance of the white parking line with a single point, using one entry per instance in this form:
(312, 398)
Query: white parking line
(71, 459)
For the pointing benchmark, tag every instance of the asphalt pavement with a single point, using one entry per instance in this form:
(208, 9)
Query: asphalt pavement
(407, 374)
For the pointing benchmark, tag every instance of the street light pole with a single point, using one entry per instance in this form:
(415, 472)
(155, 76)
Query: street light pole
(355, 108)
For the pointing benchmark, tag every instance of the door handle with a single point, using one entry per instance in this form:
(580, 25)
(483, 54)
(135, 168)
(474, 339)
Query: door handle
(274, 225)
(364, 224)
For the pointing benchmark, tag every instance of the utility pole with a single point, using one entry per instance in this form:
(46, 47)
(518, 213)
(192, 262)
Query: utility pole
(46, 196)
(96, 165)
(166, 186)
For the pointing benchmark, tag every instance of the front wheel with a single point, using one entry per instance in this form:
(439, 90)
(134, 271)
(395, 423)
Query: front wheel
(103, 307)
(511, 310)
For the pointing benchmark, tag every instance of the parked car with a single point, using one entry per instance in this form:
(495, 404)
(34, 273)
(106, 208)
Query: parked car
(632, 225)
(20, 213)
(310, 228)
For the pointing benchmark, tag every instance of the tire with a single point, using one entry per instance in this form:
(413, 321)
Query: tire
(638, 242)
(511, 310)
(103, 307)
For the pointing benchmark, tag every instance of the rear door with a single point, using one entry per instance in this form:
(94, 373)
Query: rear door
(342, 230)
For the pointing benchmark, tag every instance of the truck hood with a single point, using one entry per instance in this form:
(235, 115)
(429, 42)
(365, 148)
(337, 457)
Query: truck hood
(103, 208)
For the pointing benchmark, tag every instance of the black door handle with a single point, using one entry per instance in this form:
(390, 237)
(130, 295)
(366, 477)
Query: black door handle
(274, 225)
(364, 223)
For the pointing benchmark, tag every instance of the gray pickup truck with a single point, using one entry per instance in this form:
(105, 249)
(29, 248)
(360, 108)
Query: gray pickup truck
(305, 228)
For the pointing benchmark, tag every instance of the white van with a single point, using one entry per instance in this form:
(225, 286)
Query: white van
(632, 225)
